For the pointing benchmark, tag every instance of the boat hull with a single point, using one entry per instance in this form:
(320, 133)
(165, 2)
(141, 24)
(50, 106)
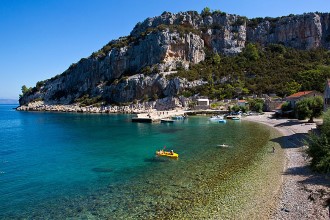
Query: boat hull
(167, 154)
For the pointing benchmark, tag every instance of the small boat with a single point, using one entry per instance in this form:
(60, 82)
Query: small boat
(170, 154)
(223, 121)
(236, 118)
(233, 116)
(223, 145)
(216, 118)
(178, 117)
(166, 120)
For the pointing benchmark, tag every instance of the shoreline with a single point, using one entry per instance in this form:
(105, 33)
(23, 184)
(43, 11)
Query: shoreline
(302, 192)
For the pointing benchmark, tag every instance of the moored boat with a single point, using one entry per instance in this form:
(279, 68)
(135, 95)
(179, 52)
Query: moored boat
(178, 117)
(216, 118)
(166, 120)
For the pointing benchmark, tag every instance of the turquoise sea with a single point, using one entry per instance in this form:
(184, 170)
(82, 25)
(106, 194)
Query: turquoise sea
(101, 166)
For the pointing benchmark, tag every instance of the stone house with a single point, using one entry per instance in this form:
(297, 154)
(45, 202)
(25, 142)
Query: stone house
(294, 98)
(242, 103)
(273, 105)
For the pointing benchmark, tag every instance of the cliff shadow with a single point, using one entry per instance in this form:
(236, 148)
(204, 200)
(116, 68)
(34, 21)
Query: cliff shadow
(291, 122)
(311, 178)
(292, 141)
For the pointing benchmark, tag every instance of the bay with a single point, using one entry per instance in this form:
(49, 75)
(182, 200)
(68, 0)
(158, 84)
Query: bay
(64, 165)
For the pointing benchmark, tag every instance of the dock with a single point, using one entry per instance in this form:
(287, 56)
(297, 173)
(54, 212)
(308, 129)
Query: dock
(157, 116)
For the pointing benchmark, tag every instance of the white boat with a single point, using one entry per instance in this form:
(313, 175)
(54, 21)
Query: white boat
(216, 118)
(166, 120)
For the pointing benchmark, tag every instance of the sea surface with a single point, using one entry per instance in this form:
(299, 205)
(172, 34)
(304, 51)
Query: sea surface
(97, 166)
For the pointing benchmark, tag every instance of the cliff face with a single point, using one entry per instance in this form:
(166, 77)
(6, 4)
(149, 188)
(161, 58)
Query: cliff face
(135, 67)
(301, 31)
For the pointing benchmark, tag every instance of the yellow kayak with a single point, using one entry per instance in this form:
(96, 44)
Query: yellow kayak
(167, 154)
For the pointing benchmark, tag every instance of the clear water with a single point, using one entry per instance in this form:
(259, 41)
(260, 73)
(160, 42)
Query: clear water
(66, 165)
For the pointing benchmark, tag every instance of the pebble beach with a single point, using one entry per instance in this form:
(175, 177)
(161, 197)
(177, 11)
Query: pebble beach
(303, 192)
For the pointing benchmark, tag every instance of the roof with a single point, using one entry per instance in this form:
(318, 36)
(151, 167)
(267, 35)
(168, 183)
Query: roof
(201, 100)
(241, 101)
(299, 94)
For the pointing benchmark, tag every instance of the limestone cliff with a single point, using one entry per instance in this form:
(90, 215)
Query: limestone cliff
(136, 67)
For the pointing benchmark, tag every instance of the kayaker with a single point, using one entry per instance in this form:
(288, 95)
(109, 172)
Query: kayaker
(172, 152)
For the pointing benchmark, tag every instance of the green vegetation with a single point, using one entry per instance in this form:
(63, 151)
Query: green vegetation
(240, 21)
(206, 12)
(237, 108)
(292, 87)
(121, 42)
(286, 106)
(254, 22)
(251, 52)
(319, 146)
(256, 105)
(314, 79)
(273, 69)
(25, 89)
(85, 100)
(309, 108)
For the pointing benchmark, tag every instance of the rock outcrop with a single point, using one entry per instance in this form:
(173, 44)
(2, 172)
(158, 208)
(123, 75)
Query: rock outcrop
(305, 32)
(140, 66)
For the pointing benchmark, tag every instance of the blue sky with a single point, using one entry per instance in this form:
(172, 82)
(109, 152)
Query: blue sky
(41, 38)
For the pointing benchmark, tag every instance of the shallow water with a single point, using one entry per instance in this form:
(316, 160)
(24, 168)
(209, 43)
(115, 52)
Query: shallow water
(62, 165)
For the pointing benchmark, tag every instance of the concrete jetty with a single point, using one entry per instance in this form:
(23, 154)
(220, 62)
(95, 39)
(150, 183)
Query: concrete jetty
(157, 116)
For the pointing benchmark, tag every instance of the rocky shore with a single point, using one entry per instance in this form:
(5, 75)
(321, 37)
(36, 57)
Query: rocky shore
(303, 192)
(145, 107)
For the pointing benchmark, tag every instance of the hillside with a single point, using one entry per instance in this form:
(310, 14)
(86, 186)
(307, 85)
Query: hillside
(212, 53)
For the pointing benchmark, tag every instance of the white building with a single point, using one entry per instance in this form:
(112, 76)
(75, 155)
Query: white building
(203, 102)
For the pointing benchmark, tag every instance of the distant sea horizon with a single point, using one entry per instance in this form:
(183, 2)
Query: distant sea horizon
(9, 101)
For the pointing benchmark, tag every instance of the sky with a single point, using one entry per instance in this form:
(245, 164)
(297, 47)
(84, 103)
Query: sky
(41, 38)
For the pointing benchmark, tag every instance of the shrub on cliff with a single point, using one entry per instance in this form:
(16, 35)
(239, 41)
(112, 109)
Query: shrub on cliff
(206, 12)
